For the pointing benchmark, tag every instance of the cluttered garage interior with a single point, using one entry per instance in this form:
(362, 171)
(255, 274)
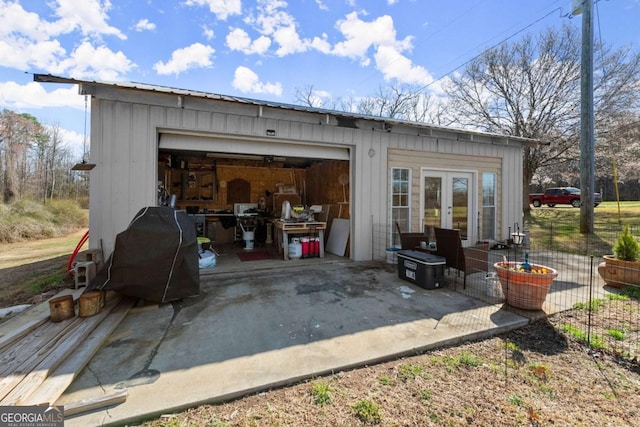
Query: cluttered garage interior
(257, 206)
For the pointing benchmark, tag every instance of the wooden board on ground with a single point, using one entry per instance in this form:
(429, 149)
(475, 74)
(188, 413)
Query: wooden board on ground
(55, 385)
(24, 382)
(338, 237)
(19, 326)
(28, 361)
(118, 396)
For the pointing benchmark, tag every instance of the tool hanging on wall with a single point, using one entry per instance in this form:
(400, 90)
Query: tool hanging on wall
(343, 180)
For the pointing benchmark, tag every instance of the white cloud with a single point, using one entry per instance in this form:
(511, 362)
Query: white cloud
(361, 35)
(144, 25)
(195, 56)
(87, 61)
(322, 5)
(33, 95)
(321, 44)
(289, 41)
(272, 21)
(74, 141)
(221, 8)
(393, 65)
(16, 52)
(14, 19)
(28, 41)
(380, 37)
(269, 18)
(207, 32)
(239, 40)
(89, 16)
(392, 2)
(247, 81)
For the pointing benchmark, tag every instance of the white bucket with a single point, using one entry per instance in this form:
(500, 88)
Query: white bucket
(248, 237)
(392, 255)
(494, 289)
(295, 249)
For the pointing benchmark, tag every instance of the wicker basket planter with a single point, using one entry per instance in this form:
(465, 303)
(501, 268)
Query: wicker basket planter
(525, 290)
(618, 273)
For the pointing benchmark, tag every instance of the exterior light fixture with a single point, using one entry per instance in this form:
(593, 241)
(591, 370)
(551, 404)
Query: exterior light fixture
(84, 165)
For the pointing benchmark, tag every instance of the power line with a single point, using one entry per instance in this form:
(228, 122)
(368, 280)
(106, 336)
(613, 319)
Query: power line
(494, 46)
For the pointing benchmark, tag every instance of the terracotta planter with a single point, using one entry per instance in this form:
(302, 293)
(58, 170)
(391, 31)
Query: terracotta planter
(617, 273)
(525, 290)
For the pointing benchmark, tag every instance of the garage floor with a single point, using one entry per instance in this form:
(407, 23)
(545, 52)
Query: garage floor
(229, 261)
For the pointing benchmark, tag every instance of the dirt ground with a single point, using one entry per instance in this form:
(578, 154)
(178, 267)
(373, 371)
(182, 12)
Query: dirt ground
(14, 291)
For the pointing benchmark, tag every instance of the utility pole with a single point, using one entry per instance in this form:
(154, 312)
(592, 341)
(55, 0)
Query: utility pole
(587, 142)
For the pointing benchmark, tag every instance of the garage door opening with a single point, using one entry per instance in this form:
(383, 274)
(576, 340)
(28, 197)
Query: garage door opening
(236, 199)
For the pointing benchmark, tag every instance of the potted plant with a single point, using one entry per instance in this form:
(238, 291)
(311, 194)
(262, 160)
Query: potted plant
(623, 267)
(525, 288)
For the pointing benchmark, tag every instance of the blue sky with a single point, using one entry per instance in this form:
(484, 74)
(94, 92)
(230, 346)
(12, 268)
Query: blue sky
(262, 49)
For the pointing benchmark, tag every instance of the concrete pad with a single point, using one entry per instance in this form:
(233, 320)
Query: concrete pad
(259, 329)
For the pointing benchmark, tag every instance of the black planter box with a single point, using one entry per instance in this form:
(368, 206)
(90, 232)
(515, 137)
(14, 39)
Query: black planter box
(423, 269)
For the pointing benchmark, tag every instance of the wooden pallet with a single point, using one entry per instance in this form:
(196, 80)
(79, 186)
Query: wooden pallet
(40, 362)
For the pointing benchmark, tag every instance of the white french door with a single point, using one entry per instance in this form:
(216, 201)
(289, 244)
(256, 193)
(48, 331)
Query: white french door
(447, 201)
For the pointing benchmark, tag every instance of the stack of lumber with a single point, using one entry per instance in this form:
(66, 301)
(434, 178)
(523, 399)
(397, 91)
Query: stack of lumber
(39, 359)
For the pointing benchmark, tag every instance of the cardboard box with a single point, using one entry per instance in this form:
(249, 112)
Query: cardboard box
(423, 269)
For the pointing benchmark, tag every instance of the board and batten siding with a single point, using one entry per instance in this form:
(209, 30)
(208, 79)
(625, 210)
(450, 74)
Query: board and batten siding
(126, 125)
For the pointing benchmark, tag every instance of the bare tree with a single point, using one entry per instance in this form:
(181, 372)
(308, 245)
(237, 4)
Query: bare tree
(34, 162)
(17, 132)
(396, 101)
(315, 98)
(531, 88)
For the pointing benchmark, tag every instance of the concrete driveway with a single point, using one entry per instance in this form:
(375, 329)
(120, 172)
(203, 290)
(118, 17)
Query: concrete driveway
(258, 329)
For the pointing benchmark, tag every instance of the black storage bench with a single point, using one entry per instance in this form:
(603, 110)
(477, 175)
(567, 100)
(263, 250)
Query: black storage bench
(424, 269)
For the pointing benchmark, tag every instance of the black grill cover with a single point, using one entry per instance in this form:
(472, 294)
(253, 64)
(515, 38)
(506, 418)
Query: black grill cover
(155, 258)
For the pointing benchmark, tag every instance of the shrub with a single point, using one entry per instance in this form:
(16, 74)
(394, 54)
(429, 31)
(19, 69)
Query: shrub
(626, 247)
(30, 220)
(367, 411)
(322, 393)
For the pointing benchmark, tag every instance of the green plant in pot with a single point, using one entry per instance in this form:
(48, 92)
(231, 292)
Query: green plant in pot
(623, 267)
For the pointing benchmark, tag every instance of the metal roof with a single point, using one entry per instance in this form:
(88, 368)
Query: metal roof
(48, 78)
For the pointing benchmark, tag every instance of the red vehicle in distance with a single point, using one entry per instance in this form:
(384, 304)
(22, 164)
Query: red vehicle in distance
(561, 196)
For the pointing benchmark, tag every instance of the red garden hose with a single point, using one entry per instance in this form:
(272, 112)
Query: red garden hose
(75, 252)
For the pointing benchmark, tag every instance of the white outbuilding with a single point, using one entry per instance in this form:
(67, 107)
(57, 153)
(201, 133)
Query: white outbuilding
(218, 154)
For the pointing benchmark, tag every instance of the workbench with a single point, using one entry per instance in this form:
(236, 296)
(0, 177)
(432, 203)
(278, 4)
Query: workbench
(284, 228)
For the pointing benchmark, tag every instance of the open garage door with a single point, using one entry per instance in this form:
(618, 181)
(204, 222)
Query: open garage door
(251, 147)
(213, 176)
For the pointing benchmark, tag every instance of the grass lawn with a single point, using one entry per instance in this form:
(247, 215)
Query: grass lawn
(558, 228)
(14, 254)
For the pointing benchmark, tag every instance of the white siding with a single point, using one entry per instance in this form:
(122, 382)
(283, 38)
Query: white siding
(124, 140)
